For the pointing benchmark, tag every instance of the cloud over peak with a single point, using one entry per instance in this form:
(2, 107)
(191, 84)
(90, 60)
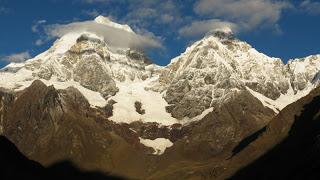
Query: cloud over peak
(161, 15)
(199, 28)
(114, 34)
(248, 13)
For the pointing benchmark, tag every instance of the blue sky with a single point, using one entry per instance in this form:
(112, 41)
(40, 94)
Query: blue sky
(284, 29)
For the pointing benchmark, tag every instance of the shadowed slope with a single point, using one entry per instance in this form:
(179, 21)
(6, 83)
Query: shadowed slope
(14, 165)
(298, 156)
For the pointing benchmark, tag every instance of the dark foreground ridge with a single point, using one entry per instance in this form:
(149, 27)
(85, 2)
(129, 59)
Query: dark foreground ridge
(14, 165)
(246, 141)
(298, 156)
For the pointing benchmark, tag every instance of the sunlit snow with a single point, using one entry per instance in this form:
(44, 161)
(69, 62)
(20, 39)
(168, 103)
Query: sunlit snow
(159, 145)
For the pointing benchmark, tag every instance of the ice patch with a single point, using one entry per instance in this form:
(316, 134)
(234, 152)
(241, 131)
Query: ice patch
(267, 102)
(284, 100)
(186, 120)
(159, 145)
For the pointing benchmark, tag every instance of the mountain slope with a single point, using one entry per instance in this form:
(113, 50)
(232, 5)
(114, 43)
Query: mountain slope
(287, 148)
(296, 129)
(50, 125)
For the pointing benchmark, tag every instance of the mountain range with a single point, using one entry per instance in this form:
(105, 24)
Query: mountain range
(209, 113)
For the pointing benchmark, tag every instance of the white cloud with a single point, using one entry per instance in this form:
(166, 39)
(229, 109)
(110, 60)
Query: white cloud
(18, 57)
(146, 13)
(161, 15)
(248, 14)
(310, 7)
(35, 26)
(167, 18)
(113, 36)
(168, 15)
(39, 42)
(199, 28)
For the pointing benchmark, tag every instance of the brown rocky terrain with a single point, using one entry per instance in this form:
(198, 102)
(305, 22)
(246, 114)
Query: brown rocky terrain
(50, 125)
(287, 148)
(293, 137)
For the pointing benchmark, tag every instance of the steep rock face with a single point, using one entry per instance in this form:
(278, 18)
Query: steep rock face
(303, 71)
(50, 125)
(36, 111)
(6, 99)
(213, 139)
(219, 64)
(316, 79)
(216, 66)
(91, 62)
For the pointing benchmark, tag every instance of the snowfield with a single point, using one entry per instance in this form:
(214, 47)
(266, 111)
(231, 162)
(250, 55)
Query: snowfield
(152, 102)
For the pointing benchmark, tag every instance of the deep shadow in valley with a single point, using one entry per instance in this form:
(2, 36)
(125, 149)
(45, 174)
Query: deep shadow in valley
(14, 165)
(297, 157)
(246, 141)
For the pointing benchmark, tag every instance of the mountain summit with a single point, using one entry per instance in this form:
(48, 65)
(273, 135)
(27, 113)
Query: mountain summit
(220, 65)
(223, 33)
(106, 21)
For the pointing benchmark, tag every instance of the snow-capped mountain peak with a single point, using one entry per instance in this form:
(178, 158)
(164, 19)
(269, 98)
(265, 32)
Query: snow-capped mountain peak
(64, 44)
(222, 33)
(84, 60)
(213, 69)
(106, 21)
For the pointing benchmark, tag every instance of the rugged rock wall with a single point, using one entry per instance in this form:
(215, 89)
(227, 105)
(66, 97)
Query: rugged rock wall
(50, 125)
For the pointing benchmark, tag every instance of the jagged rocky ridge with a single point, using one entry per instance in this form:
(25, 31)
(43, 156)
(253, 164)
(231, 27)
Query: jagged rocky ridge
(218, 65)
